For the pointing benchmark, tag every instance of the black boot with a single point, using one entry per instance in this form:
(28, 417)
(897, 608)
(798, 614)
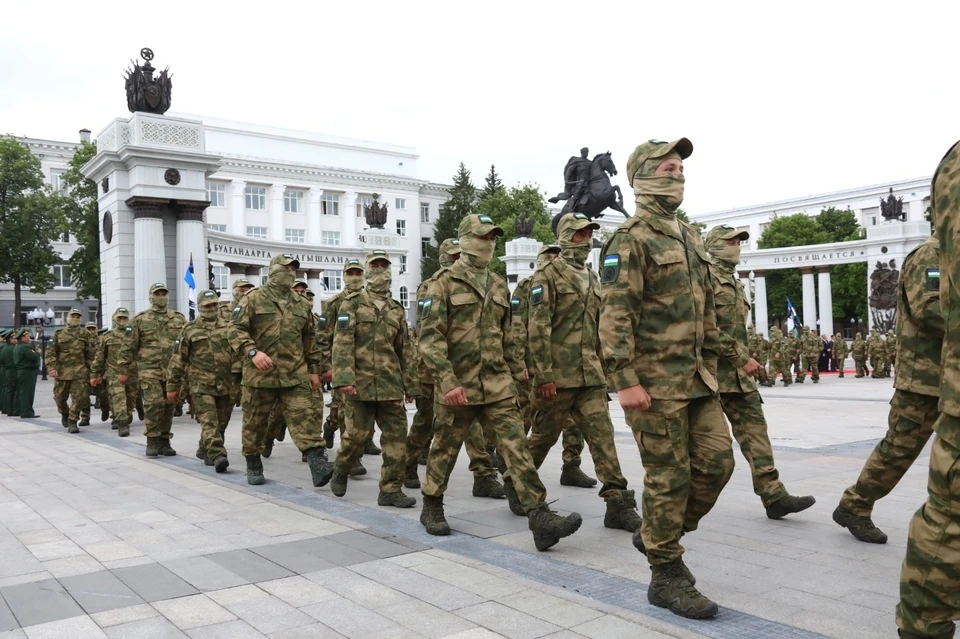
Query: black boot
(254, 470)
(72, 428)
(571, 475)
(321, 470)
(153, 447)
(789, 505)
(165, 449)
(432, 516)
(670, 588)
(410, 477)
(549, 527)
(622, 512)
(371, 449)
(513, 500)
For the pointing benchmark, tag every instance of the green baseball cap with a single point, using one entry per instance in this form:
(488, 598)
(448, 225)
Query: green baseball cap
(548, 248)
(450, 246)
(242, 283)
(159, 286)
(478, 225)
(723, 232)
(378, 254)
(653, 149)
(207, 296)
(285, 258)
(353, 263)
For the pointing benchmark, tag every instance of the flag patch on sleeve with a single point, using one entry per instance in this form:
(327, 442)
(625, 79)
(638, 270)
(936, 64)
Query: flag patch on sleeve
(343, 321)
(536, 295)
(425, 307)
(933, 279)
(611, 268)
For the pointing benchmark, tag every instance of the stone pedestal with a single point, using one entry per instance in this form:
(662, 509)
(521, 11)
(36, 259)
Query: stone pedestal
(520, 259)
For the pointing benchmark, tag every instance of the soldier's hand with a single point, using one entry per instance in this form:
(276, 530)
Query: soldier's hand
(348, 390)
(410, 399)
(262, 361)
(634, 398)
(123, 379)
(456, 397)
(327, 377)
(52, 373)
(172, 397)
(94, 381)
(548, 391)
(752, 368)
(314, 382)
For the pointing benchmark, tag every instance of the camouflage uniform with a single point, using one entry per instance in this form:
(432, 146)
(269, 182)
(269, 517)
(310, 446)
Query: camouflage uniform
(929, 596)
(106, 369)
(858, 350)
(467, 344)
(565, 350)
(96, 391)
(840, 352)
(241, 287)
(877, 350)
(738, 391)
(658, 330)
(890, 352)
(70, 354)
(371, 351)
(795, 350)
(811, 347)
(276, 322)
(203, 355)
(147, 347)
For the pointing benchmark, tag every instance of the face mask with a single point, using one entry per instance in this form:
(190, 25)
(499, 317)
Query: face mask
(353, 283)
(446, 261)
(281, 277)
(73, 322)
(159, 302)
(727, 254)
(379, 280)
(476, 252)
(209, 314)
(238, 294)
(121, 322)
(666, 190)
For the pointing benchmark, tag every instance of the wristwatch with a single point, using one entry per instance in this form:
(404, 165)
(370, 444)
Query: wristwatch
(252, 352)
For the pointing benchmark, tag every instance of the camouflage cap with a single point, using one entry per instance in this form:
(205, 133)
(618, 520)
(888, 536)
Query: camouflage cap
(242, 283)
(378, 254)
(548, 248)
(121, 312)
(75, 311)
(300, 282)
(450, 246)
(478, 225)
(573, 222)
(309, 294)
(652, 149)
(159, 286)
(282, 259)
(353, 263)
(91, 325)
(723, 232)
(207, 296)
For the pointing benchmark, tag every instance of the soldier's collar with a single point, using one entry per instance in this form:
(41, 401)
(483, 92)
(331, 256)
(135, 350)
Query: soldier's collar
(667, 226)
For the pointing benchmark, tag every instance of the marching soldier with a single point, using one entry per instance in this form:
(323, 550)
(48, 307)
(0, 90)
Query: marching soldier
(780, 357)
(877, 350)
(105, 373)
(101, 400)
(68, 359)
(840, 352)
(27, 363)
(858, 350)
(810, 346)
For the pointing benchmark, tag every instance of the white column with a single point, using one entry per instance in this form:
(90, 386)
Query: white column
(313, 281)
(150, 264)
(313, 216)
(276, 231)
(348, 211)
(826, 301)
(809, 299)
(190, 241)
(760, 302)
(745, 278)
(237, 208)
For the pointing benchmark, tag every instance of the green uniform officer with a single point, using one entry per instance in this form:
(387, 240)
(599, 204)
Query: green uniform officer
(27, 363)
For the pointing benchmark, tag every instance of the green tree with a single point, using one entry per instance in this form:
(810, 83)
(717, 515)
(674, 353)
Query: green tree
(492, 184)
(683, 217)
(505, 206)
(462, 196)
(31, 218)
(83, 220)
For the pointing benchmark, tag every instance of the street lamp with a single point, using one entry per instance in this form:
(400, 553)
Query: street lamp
(38, 318)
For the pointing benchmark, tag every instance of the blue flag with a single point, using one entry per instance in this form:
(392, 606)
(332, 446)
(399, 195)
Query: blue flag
(188, 278)
(793, 322)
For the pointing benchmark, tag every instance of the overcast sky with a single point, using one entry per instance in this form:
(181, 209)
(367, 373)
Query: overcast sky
(779, 99)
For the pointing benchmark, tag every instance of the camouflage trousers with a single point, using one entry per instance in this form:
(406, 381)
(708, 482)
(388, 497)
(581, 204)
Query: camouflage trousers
(860, 365)
(813, 363)
(157, 413)
(335, 420)
(422, 431)
(745, 413)
(100, 393)
(236, 390)
(78, 390)
(122, 399)
(587, 409)
(391, 417)
(929, 596)
(782, 368)
(571, 439)
(213, 412)
(501, 420)
(909, 426)
(763, 373)
(296, 405)
(687, 455)
(877, 364)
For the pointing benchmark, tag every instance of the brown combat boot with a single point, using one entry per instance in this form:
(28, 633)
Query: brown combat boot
(488, 486)
(432, 516)
(622, 512)
(153, 447)
(549, 527)
(165, 449)
(571, 475)
(670, 588)
(410, 478)
(862, 528)
(513, 500)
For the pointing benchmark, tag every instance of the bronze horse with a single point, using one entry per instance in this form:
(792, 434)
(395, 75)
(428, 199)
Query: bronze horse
(598, 194)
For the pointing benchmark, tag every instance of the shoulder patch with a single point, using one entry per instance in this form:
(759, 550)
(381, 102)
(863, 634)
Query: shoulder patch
(343, 321)
(515, 304)
(536, 295)
(933, 279)
(176, 345)
(425, 306)
(611, 268)
(236, 313)
(128, 331)
(322, 322)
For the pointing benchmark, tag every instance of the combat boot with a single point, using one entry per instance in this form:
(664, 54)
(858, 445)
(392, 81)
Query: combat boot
(140, 411)
(267, 447)
(72, 427)
(358, 469)
(254, 470)
(371, 449)
(638, 544)
(397, 500)
(221, 463)
(571, 475)
(338, 485)
(906, 634)
(622, 512)
(328, 434)
(64, 420)
(123, 430)
(549, 527)
(114, 425)
(153, 447)
(165, 449)
(669, 588)
(410, 478)
(513, 499)
(432, 516)
(201, 452)
(488, 486)
(208, 462)
(860, 527)
(321, 469)
(84, 421)
(788, 505)
(422, 460)
(178, 410)
(104, 412)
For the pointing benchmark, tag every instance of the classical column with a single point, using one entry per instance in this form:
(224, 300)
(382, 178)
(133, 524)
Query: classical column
(238, 206)
(313, 215)
(745, 278)
(809, 298)
(760, 302)
(149, 265)
(190, 242)
(276, 231)
(826, 300)
(316, 285)
(348, 211)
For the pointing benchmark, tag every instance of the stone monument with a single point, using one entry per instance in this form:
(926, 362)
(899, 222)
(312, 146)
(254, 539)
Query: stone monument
(587, 188)
(520, 255)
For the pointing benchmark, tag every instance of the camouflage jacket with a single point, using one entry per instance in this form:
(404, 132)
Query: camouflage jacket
(325, 329)
(794, 347)
(732, 309)
(858, 349)
(876, 346)
(811, 345)
(778, 348)
(520, 308)
(563, 341)
(279, 323)
(466, 335)
(371, 350)
(945, 196)
(226, 313)
(840, 350)
(148, 342)
(423, 375)
(25, 358)
(107, 359)
(203, 353)
(71, 353)
(919, 321)
(891, 345)
(658, 325)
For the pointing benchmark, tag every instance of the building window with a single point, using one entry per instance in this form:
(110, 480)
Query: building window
(402, 228)
(56, 181)
(60, 315)
(295, 235)
(404, 297)
(216, 193)
(330, 238)
(293, 201)
(61, 276)
(362, 201)
(425, 212)
(399, 203)
(332, 280)
(65, 238)
(217, 227)
(259, 232)
(221, 275)
(403, 264)
(424, 243)
(256, 197)
(330, 204)
(264, 274)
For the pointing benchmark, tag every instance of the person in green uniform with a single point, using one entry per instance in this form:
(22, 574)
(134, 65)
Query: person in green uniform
(4, 400)
(9, 375)
(27, 363)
